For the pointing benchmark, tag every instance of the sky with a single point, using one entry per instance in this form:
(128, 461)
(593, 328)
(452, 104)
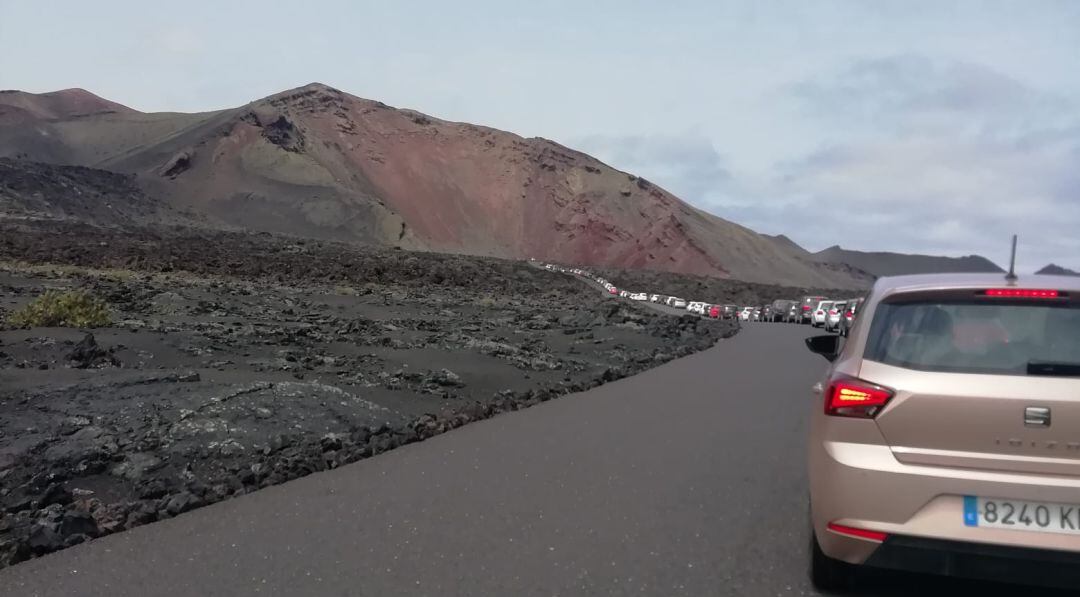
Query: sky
(917, 126)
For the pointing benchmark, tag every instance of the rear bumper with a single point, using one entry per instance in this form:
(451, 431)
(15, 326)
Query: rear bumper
(921, 509)
(1048, 568)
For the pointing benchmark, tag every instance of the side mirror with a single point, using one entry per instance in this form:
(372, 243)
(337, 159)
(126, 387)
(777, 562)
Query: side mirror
(826, 346)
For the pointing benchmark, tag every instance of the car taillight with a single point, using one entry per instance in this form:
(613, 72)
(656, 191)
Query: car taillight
(855, 532)
(850, 397)
(1022, 293)
(849, 314)
(806, 307)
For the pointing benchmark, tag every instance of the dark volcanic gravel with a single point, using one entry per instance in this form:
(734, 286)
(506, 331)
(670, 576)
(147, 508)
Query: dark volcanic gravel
(238, 361)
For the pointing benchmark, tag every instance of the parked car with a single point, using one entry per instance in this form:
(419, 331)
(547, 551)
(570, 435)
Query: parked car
(807, 305)
(745, 313)
(756, 315)
(850, 314)
(715, 311)
(639, 296)
(820, 313)
(834, 315)
(613, 290)
(940, 442)
(654, 298)
(730, 312)
(678, 303)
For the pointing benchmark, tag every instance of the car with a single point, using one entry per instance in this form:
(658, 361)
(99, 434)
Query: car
(730, 312)
(807, 305)
(834, 315)
(779, 310)
(654, 298)
(624, 293)
(850, 315)
(821, 311)
(678, 303)
(696, 307)
(939, 441)
(639, 296)
(613, 290)
(715, 311)
(794, 314)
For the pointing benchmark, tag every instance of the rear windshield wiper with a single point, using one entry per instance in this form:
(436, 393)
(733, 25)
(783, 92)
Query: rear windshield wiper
(1053, 368)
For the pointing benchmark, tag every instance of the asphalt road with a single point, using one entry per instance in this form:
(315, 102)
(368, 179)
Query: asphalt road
(684, 480)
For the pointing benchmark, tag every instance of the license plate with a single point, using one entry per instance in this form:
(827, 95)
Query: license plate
(1020, 515)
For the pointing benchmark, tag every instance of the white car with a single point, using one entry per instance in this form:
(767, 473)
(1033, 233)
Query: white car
(654, 298)
(746, 313)
(639, 296)
(678, 303)
(821, 313)
(624, 293)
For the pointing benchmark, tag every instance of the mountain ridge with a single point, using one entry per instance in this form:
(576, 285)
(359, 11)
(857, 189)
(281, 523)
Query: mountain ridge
(315, 161)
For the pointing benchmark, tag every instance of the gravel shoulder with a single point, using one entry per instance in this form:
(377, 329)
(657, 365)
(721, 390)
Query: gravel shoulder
(239, 361)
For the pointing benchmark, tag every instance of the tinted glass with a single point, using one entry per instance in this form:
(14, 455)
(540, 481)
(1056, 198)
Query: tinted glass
(975, 337)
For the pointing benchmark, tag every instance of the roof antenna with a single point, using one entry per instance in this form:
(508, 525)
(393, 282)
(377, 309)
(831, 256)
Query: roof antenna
(1011, 276)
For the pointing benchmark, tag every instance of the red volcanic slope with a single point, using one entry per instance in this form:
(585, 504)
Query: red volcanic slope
(315, 161)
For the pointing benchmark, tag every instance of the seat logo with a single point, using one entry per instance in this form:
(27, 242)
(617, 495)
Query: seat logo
(1036, 416)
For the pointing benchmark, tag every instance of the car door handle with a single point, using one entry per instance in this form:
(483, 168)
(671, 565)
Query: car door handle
(817, 388)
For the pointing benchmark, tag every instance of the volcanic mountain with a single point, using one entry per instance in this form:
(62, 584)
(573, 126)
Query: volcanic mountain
(317, 162)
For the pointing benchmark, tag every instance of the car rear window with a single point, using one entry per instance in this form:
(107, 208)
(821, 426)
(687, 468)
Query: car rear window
(977, 337)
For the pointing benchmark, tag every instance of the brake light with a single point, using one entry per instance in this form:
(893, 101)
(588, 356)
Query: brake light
(850, 397)
(849, 314)
(860, 533)
(1022, 293)
(806, 307)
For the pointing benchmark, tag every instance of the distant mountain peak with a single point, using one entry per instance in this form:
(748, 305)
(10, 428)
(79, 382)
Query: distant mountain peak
(884, 263)
(64, 103)
(1057, 270)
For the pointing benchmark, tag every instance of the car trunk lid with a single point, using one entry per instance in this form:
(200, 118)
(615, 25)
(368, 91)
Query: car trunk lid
(992, 422)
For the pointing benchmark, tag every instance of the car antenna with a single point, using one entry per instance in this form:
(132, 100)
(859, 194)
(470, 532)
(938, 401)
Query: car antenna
(1011, 276)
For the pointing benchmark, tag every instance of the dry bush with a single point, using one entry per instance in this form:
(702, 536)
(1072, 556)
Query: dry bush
(76, 309)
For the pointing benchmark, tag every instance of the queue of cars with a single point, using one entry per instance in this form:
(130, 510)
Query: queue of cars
(831, 314)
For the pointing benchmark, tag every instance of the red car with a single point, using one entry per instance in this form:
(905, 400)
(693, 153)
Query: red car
(714, 311)
(614, 290)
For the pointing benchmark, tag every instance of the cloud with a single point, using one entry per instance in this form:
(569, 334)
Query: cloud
(909, 92)
(914, 155)
(936, 156)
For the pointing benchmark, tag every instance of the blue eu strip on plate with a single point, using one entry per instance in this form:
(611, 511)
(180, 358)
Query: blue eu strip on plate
(971, 511)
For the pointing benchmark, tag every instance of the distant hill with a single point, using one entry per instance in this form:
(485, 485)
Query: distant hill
(1057, 270)
(320, 163)
(899, 264)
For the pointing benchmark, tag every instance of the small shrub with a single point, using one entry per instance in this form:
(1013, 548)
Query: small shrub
(75, 309)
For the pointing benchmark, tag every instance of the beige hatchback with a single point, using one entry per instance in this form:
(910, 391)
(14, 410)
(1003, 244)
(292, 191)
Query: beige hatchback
(946, 437)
